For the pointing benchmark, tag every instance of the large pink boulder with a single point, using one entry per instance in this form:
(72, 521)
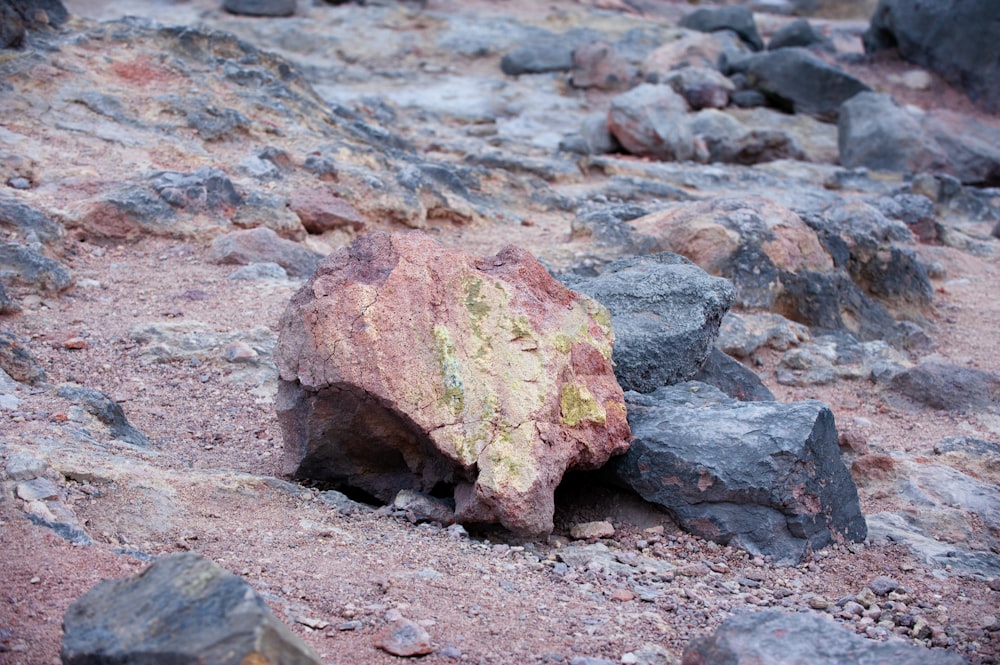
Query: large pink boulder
(405, 365)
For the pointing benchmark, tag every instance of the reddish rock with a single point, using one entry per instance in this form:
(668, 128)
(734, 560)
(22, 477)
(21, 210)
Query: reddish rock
(652, 121)
(408, 366)
(321, 210)
(404, 637)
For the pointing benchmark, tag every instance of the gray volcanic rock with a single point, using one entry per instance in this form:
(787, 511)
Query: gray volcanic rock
(105, 410)
(737, 18)
(262, 245)
(28, 221)
(181, 609)
(799, 33)
(763, 476)
(733, 378)
(795, 80)
(599, 65)
(17, 361)
(784, 638)
(23, 266)
(538, 57)
(665, 312)
(729, 140)
(949, 387)
(701, 87)
(260, 7)
(959, 40)
(651, 120)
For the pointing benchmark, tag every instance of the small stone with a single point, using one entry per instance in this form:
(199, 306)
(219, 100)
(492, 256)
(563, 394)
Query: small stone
(22, 466)
(404, 638)
(38, 489)
(622, 595)
(75, 343)
(239, 352)
(866, 598)
(819, 603)
(589, 530)
(883, 586)
(19, 183)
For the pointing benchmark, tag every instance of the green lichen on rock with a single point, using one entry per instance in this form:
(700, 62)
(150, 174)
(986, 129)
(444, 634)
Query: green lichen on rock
(451, 371)
(577, 405)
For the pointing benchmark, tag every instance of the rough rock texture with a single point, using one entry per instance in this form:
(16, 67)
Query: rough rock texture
(795, 80)
(21, 265)
(763, 476)
(733, 378)
(784, 638)
(260, 7)
(701, 87)
(598, 65)
(17, 361)
(406, 366)
(959, 40)
(651, 120)
(263, 245)
(736, 18)
(949, 387)
(729, 140)
(183, 608)
(665, 312)
(105, 410)
(538, 57)
(799, 33)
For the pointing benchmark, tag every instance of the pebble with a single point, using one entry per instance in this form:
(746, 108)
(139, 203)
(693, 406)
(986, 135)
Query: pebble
(819, 603)
(404, 637)
(239, 352)
(590, 530)
(76, 343)
(883, 586)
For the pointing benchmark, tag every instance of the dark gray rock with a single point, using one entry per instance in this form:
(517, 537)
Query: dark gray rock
(204, 190)
(701, 87)
(949, 387)
(737, 18)
(651, 121)
(23, 266)
(124, 215)
(915, 210)
(606, 225)
(539, 57)
(733, 378)
(12, 30)
(959, 40)
(27, 221)
(876, 133)
(181, 609)
(665, 312)
(16, 360)
(260, 7)
(594, 138)
(7, 304)
(18, 16)
(968, 445)
(972, 147)
(780, 638)
(105, 410)
(763, 476)
(799, 33)
(796, 81)
(262, 245)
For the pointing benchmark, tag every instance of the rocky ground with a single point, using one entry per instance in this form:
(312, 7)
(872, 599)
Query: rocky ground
(378, 96)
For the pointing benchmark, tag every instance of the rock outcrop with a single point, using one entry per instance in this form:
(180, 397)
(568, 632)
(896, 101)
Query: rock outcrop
(763, 476)
(408, 366)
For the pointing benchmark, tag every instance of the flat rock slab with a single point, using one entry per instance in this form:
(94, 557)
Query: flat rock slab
(182, 609)
(405, 365)
(779, 638)
(763, 476)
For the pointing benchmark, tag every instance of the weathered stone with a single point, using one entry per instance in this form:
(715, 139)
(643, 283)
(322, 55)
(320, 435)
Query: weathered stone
(262, 245)
(538, 57)
(592, 530)
(404, 637)
(665, 311)
(959, 40)
(749, 240)
(7, 304)
(797, 81)
(651, 120)
(594, 137)
(422, 507)
(799, 33)
(205, 190)
(598, 65)
(124, 215)
(20, 265)
(949, 387)
(17, 361)
(183, 608)
(763, 476)
(692, 49)
(29, 222)
(321, 210)
(260, 271)
(737, 18)
(729, 140)
(840, 356)
(407, 366)
(740, 335)
(876, 133)
(22, 466)
(733, 378)
(701, 87)
(260, 7)
(17, 16)
(780, 638)
(105, 410)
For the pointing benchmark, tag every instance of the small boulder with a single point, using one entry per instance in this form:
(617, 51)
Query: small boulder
(873, 131)
(783, 638)
(262, 245)
(538, 57)
(598, 65)
(733, 378)
(949, 387)
(17, 361)
(260, 7)
(28, 221)
(665, 311)
(651, 121)
(763, 476)
(729, 140)
(107, 411)
(799, 33)
(23, 266)
(737, 18)
(321, 210)
(408, 366)
(701, 87)
(183, 608)
(796, 81)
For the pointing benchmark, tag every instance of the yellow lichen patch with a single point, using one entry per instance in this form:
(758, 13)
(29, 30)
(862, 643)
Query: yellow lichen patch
(510, 463)
(577, 405)
(453, 395)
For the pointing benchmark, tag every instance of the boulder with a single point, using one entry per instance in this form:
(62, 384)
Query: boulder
(262, 245)
(799, 33)
(874, 132)
(665, 312)
(972, 146)
(740, 335)
(22, 266)
(959, 40)
(27, 221)
(763, 476)
(594, 138)
(260, 7)
(538, 57)
(748, 240)
(949, 387)
(784, 638)
(737, 18)
(729, 140)
(733, 378)
(321, 210)
(598, 65)
(181, 609)
(17, 16)
(407, 366)
(651, 121)
(206, 190)
(796, 81)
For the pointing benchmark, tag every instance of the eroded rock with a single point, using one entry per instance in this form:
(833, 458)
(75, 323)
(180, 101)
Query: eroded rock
(407, 366)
